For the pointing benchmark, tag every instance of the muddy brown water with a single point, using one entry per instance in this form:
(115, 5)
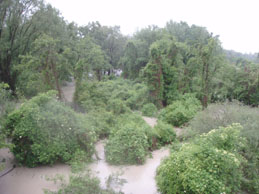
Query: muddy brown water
(140, 178)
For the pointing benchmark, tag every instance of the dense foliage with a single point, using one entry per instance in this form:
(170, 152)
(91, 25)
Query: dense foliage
(224, 114)
(165, 133)
(86, 184)
(112, 95)
(6, 106)
(129, 141)
(175, 71)
(149, 110)
(209, 164)
(44, 131)
(101, 121)
(181, 111)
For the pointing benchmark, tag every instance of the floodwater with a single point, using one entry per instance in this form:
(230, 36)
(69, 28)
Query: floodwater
(69, 90)
(150, 120)
(24, 180)
(140, 178)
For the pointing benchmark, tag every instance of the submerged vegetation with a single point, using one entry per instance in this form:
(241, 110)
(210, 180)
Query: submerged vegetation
(179, 74)
(45, 131)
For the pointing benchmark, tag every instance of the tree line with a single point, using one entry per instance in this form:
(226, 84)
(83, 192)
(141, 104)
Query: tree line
(39, 50)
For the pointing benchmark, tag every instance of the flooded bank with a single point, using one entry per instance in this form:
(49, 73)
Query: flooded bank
(140, 178)
(23, 180)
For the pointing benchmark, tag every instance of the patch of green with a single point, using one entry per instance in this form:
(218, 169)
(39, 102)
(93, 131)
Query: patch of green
(209, 164)
(85, 184)
(130, 140)
(223, 114)
(181, 111)
(114, 95)
(149, 110)
(128, 145)
(165, 133)
(44, 130)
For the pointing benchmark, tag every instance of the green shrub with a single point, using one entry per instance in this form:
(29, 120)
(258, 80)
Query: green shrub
(81, 184)
(92, 95)
(223, 114)
(165, 133)
(149, 110)
(208, 165)
(129, 141)
(117, 106)
(101, 122)
(6, 106)
(140, 123)
(43, 131)
(181, 111)
(129, 145)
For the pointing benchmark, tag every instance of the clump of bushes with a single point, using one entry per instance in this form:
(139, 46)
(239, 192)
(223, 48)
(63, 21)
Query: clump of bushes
(165, 133)
(101, 122)
(117, 106)
(209, 164)
(223, 114)
(85, 184)
(129, 141)
(149, 110)
(6, 103)
(129, 145)
(43, 131)
(6, 106)
(93, 95)
(181, 111)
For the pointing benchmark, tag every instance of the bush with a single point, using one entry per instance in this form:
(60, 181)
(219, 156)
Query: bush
(81, 184)
(92, 95)
(43, 131)
(6, 106)
(117, 106)
(165, 133)
(208, 165)
(101, 122)
(149, 110)
(129, 145)
(223, 114)
(129, 141)
(140, 123)
(181, 111)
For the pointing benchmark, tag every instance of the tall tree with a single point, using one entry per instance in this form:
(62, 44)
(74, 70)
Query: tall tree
(16, 33)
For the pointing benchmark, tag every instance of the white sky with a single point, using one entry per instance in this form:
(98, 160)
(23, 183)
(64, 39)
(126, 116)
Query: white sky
(236, 21)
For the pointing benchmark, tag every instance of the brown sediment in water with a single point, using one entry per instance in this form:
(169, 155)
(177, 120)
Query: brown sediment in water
(68, 91)
(150, 120)
(140, 178)
(23, 180)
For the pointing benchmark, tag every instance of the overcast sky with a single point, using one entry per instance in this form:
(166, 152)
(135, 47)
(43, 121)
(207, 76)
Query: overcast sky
(235, 21)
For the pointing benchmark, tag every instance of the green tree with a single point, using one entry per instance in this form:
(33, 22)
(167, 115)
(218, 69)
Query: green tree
(16, 34)
(42, 65)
